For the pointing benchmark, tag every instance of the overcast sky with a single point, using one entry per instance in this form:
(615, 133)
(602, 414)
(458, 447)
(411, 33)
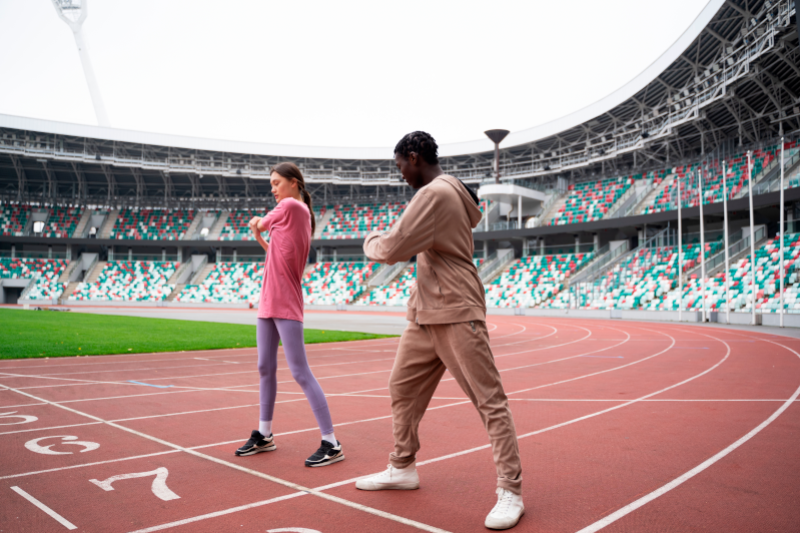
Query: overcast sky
(346, 73)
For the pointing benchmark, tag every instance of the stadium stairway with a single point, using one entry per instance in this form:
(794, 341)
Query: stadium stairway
(766, 171)
(65, 274)
(176, 292)
(648, 200)
(92, 276)
(495, 264)
(322, 222)
(202, 274)
(546, 217)
(761, 239)
(68, 290)
(108, 227)
(192, 229)
(80, 229)
(216, 229)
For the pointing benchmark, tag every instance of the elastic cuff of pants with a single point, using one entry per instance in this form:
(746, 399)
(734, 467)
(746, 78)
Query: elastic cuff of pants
(403, 462)
(512, 485)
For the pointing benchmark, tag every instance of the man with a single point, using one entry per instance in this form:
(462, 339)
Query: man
(447, 325)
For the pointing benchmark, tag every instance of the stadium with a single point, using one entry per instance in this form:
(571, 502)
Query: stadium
(652, 226)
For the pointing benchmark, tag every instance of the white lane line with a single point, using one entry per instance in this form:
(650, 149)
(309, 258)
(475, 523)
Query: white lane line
(294, 486)
(97, 360)
(550, 428)
(54, 515)
(644, 500)
(21, 405)
(219, 513)
(25, 474)
(666, 400)
(49, 428)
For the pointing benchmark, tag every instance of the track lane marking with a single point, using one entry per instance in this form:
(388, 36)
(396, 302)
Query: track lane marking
(294, 486)
(644, 500)
(54, 515)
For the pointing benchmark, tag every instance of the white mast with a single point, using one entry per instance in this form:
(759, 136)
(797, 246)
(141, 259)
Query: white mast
(74, 12)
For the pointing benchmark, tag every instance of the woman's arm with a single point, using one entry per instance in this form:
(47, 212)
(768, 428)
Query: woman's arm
(254, 227)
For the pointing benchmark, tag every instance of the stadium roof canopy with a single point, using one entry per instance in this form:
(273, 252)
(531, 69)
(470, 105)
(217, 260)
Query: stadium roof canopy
(731, 78)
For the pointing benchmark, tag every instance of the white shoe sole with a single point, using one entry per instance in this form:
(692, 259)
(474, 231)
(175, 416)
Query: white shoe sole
(254, 451)
(498, 525)
(365, 484)
(326, 463)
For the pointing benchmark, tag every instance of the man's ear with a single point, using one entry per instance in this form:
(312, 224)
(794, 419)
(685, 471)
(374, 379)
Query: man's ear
(413, 158)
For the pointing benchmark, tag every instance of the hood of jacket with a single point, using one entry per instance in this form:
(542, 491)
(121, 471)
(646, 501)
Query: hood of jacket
(467, 199)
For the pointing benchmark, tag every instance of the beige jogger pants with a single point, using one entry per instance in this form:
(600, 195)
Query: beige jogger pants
(463, 349)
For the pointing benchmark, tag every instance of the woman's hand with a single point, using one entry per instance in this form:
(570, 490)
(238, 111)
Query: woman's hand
(254, 225)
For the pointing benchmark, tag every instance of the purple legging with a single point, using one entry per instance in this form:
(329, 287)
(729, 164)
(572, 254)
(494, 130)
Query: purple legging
(269, 331)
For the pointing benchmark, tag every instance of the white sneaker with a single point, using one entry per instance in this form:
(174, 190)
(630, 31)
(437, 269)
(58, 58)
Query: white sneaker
(506, 512)
(392, 479)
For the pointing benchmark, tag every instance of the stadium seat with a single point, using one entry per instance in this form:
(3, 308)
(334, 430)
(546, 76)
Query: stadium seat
(229, 282)
(140, 281)
(591, 200)
(356, 221)
(336, 283)
(395, 293)
(43, 272)
(13, 218)
(62, 221)
(532, 281)
(145, 224)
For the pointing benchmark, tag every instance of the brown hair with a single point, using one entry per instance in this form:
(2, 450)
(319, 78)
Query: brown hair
(291, 172)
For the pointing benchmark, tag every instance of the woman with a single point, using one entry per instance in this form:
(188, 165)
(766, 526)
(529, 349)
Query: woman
(280, 312)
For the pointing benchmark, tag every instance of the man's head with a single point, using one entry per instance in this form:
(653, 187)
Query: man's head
(415, 155)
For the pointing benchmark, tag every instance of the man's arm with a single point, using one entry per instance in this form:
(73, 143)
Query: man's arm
(412, 234)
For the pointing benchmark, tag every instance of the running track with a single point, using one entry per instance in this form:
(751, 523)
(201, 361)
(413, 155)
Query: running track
(623, 427)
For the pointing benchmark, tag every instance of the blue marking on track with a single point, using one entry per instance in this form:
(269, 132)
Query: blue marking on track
(605, 356)
(149, 385)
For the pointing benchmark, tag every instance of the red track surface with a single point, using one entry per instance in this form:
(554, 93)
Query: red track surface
(623, 427)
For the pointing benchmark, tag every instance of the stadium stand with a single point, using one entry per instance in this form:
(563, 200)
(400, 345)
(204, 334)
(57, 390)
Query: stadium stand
(227, 283)
(533, 280)
(43, 272)
(395, 293)
(13, 218)
(62, 221)
(736, 169)
(140, 281)
(147, 224)
(767, 285)
(644, 279)
(236, 227)
(590, 200)
(357, 220)
(336, 283)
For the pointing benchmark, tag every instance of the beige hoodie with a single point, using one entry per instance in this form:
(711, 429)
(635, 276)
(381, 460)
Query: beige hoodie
(436, 227)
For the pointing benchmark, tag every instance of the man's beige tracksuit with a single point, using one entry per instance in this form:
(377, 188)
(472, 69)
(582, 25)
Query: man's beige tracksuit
(447, 323)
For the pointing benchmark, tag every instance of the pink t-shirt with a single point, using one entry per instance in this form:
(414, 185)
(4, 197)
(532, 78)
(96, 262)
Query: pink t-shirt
(289, 226)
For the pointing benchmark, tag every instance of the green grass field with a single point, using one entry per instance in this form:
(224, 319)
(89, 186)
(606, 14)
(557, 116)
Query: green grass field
(61, 334)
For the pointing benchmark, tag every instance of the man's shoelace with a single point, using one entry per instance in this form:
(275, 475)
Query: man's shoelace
(503, 503)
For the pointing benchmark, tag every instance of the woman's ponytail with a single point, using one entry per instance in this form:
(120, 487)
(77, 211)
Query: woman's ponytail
(290, 171)
(307, 200)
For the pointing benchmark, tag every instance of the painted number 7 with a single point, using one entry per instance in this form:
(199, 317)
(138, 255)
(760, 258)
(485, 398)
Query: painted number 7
(159, 486)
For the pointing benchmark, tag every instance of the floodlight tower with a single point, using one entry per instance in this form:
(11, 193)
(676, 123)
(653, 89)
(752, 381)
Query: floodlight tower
(74, 12)
(496, 136)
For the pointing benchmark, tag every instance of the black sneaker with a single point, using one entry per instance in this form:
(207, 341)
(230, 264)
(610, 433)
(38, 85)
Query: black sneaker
(257, 443)
(326, 455)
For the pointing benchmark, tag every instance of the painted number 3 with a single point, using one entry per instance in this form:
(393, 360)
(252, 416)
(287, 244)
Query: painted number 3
(159, 486)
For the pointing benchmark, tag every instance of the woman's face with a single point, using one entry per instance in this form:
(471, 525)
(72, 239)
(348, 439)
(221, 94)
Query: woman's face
(283, 187)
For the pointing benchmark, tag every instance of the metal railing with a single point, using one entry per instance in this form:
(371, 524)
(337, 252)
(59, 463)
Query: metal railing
(604, 257)
(735, 248)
